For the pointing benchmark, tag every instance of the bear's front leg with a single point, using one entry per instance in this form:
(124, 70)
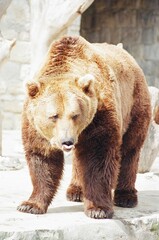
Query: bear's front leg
(99, 168)
(45, 172)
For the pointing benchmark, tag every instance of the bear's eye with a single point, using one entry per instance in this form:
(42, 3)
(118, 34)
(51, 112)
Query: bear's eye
(74, 117)
(54, 117)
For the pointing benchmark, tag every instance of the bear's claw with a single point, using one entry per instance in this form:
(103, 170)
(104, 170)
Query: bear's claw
(32, 208)
(99, 213)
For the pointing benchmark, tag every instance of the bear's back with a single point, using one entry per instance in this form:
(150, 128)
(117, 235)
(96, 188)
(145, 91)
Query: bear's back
(118, 59)
(129, 84)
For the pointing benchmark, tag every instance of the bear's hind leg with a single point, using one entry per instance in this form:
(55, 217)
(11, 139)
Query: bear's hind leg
(46, 173)
(125, 194)
(74, 192)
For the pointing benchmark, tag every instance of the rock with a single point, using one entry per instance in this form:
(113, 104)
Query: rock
(16, 19)
(151, 52)
(9, 106)
(5, 48)
(66, 220)
(25, 72)
(9, 73)
(9, 163)
(3, 87)
(150, 149)
(21, 52)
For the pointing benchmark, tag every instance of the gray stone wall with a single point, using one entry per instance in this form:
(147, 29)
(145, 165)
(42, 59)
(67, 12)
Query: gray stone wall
(134, 23)
(15, 24)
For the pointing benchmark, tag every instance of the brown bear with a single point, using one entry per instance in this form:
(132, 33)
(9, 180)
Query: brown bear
(93, 100)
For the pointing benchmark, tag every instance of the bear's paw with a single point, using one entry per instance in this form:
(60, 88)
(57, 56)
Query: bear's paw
(74, 193)
(29, 207)
(99, 213)
(125, 198)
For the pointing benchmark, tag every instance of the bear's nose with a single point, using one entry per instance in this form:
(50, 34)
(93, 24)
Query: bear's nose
(67, 144)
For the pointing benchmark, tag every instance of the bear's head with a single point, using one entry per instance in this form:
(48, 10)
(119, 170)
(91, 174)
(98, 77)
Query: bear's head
(61, 109)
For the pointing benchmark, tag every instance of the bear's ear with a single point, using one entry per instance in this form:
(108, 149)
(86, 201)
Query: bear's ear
(32, 89)
(87, 84)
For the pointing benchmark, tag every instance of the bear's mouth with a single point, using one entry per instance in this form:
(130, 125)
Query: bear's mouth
(67, 148)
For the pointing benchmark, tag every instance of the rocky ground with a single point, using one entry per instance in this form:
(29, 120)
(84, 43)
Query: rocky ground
(66, 220)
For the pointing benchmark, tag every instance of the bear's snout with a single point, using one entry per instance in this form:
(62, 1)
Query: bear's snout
(67, 144)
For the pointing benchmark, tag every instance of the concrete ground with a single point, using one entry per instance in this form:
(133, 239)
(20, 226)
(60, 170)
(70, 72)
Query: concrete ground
(66, 220)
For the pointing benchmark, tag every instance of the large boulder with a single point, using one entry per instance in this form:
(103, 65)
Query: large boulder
(150, 149)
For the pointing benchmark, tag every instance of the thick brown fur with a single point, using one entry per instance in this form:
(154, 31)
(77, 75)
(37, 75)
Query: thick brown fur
(96, 96)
